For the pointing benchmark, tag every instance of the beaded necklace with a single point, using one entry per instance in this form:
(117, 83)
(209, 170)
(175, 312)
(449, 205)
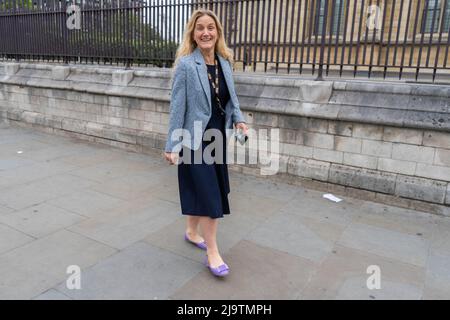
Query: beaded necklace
(216, 85)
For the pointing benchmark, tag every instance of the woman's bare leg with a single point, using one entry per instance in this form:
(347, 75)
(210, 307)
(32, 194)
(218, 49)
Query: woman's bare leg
(209, 229)
(192, 224)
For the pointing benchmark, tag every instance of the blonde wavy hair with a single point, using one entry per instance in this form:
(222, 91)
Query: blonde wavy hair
(188, 44)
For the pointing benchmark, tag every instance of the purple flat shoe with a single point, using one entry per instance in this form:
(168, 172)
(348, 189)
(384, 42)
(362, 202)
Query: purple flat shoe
(220, 271)
(201, 245)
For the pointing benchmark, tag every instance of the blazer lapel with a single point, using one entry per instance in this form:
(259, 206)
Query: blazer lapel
(202, 73)
(228, 78)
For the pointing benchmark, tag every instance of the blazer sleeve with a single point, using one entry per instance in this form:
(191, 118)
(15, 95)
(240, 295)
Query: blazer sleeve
(177, 106)
(237, 114)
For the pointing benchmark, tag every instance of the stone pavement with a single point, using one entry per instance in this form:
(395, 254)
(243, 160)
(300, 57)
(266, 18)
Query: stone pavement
(115, 214)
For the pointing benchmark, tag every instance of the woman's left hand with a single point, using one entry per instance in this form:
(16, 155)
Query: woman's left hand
(242, 126)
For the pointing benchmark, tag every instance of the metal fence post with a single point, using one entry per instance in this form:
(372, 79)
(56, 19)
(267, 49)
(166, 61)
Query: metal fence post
(130, 32)
(322, 41)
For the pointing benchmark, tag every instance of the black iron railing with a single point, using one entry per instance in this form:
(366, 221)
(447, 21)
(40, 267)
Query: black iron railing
(405, 39)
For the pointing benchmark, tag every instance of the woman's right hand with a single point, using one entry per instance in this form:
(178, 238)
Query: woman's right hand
(171, 157)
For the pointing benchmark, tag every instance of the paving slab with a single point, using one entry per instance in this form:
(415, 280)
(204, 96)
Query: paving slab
(344, 275)
(11, 238)
(21, 145)
(259, 187)
(128, 223)
(255, 273)
(10, 162)
(171, 238)
(33, 268)
(5, 210)
(437, 282)
(90, 156)
(30, 173)
(232, 230)
(411, 222)
(116, 168)
(116, 214)
(87, 203)
(311, 204)
(166, 190)
(22, 196)
(296, 235)
(40, 220)
(133, 185)
(440, 240)
(52, 294)
(140, 271)
(411, 249)
(52, 151)
(258, 207)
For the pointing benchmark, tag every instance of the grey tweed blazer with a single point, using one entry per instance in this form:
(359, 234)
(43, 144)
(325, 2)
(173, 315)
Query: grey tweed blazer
(191, 101)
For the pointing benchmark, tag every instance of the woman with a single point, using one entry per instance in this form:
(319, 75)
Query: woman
(203, 97)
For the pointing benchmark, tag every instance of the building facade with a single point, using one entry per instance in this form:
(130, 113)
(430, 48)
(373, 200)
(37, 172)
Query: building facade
(366, 33)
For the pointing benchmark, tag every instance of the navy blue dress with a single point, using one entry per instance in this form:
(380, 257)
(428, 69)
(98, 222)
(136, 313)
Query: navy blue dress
(204, 187)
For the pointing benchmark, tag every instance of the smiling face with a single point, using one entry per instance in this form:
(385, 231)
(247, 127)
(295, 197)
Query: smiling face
(205, 33)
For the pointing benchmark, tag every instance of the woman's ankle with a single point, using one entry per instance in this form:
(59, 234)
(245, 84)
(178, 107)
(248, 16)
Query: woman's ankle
(191, 232)
(212, 252)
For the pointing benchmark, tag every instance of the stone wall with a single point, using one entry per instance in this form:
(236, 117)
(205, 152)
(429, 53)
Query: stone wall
(381, 141)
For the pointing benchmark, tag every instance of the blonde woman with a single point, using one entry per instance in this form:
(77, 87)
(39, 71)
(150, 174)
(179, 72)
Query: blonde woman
(203, 96)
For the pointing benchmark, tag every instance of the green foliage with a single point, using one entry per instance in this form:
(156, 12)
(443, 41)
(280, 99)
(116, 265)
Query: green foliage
(120, 34)
(9, 4)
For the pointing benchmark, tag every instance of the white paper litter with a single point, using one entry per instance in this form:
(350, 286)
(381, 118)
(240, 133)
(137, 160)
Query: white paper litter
(331, 197)
(19, 151)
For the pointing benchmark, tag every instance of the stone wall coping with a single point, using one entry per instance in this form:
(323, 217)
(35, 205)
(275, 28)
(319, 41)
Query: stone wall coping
(425, 106)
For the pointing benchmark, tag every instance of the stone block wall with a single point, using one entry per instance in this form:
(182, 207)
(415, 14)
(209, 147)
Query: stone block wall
(381, 141)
